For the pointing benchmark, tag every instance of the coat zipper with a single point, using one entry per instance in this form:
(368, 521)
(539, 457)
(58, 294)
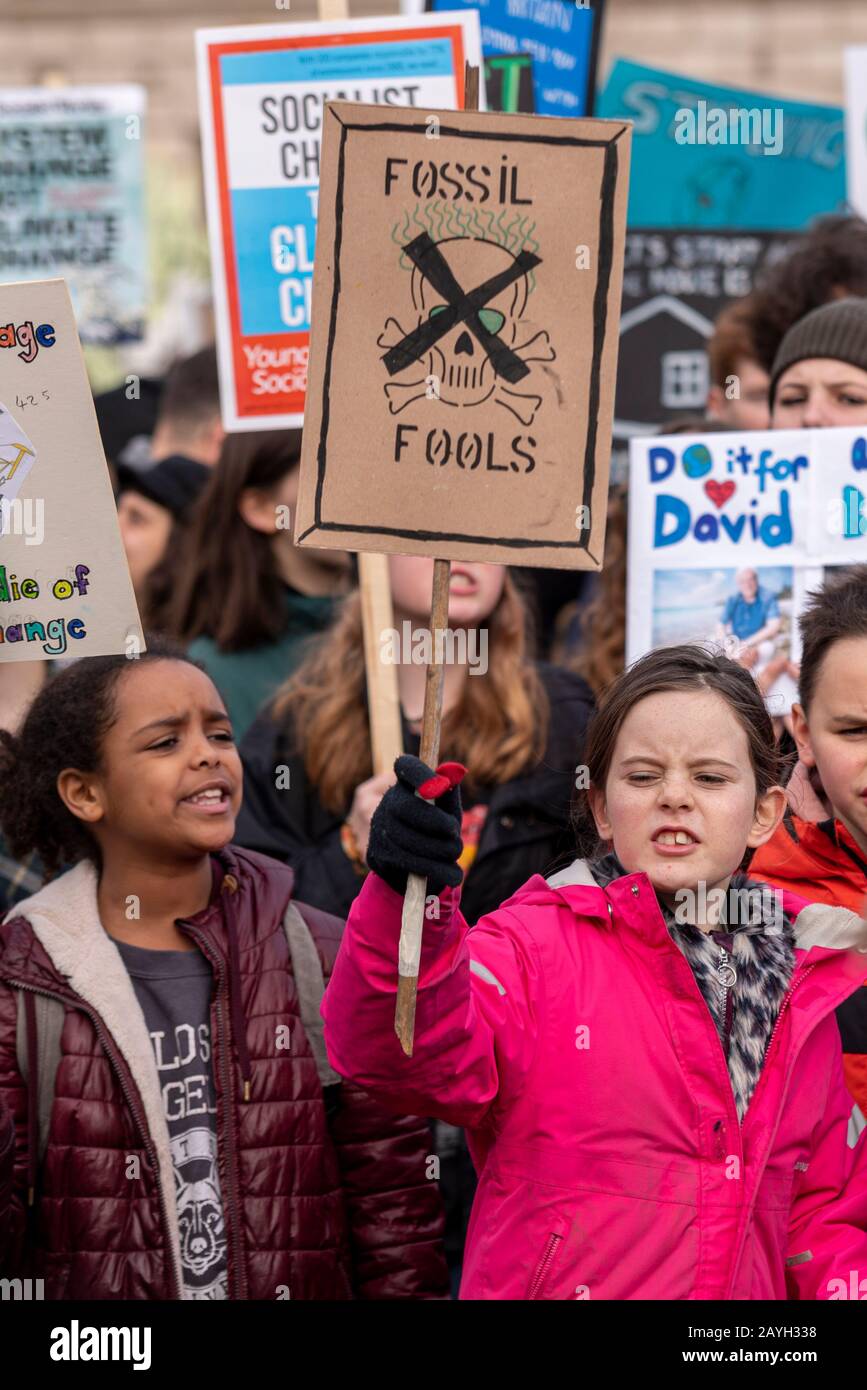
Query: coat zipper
(141, 1124)
(726, 978)
(231, 1154)
(791, 990)
(543, 1268)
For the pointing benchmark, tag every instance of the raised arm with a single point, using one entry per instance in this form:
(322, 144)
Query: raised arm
(479, 988)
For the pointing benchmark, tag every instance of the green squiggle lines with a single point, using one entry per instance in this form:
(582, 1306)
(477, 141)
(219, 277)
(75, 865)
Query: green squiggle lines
(443, 219)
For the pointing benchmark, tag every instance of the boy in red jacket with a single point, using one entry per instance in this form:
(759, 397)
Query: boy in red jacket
(826, 861)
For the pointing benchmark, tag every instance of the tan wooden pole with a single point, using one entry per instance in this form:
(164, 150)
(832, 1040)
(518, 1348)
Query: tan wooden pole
(412, 921)
(383, 698)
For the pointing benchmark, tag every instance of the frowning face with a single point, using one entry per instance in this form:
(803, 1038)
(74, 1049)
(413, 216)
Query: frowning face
(679, 803)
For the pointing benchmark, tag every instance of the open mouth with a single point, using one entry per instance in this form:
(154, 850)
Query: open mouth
(461, 583)
(212, 800)
(674, 839)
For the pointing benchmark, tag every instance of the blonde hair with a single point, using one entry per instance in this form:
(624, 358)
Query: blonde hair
(498, 728)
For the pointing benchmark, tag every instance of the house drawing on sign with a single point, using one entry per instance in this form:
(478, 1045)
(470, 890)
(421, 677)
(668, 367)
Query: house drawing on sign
(663, 365)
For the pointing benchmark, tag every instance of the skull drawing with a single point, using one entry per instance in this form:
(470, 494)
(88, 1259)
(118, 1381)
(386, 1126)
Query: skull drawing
(457, 367)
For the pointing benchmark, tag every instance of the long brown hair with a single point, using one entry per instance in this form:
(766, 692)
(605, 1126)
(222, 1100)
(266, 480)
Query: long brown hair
(228, 586)
(602, 652)
(498, 728)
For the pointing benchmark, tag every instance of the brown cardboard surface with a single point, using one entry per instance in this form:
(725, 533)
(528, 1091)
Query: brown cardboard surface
(47, 400)
(483, 436)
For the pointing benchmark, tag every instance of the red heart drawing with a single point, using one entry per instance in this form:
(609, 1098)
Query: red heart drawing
(719, 493)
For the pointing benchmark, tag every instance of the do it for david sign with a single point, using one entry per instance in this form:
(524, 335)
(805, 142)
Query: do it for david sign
(728, 533)
(464, 346)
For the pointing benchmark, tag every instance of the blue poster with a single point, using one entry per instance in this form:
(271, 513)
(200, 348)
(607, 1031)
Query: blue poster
(705, 156)
(561, 38)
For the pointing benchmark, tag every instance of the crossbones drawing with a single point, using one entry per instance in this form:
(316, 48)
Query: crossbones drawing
(469, 296)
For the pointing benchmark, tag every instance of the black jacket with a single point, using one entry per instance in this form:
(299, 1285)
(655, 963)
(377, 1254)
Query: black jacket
(526, 830)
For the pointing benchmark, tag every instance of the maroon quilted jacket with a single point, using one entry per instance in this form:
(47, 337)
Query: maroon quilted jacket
(316, 1205)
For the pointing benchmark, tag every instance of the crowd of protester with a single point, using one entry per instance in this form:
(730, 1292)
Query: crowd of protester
(183, 837)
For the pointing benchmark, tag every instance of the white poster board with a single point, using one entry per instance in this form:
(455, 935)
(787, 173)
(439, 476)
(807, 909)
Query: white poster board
(855, 72)
(728, 533)
(65, 589)
(72, 200)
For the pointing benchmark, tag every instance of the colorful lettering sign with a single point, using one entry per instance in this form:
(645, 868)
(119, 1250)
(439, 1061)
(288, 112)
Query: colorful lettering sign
(729, 532)
(65, 589)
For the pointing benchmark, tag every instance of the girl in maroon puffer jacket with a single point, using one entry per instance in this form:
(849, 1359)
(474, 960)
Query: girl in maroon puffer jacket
(191, 1143)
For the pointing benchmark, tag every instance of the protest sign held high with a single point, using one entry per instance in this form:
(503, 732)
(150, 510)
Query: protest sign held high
(728, 533)
(65, 589)
(561, 38)
(467, 292)
(713, 156)
(72, 201)
(262, 90)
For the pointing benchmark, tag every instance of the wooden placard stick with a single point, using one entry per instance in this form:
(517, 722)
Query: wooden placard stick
(412, 921)
(383, 697)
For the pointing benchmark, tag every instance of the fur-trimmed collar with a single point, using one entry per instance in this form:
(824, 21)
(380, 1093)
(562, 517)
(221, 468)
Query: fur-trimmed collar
(65, 919)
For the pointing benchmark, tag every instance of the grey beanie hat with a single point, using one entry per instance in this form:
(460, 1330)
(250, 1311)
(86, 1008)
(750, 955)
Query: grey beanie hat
(837, 330)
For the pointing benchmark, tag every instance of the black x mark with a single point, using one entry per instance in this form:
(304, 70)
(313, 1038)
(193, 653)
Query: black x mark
(462, 308)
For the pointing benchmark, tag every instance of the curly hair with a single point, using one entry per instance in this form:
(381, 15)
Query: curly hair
(64, 727)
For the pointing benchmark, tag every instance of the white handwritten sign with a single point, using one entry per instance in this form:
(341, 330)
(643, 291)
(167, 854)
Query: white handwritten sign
(729, 532)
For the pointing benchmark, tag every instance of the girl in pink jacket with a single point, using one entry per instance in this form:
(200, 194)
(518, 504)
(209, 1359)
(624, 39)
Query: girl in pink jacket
(642, 1047)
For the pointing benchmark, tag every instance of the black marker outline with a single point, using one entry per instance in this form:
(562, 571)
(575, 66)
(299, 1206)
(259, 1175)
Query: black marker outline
(600, 320)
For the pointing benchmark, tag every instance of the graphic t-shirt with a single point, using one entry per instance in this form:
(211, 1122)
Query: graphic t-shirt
(174, 990)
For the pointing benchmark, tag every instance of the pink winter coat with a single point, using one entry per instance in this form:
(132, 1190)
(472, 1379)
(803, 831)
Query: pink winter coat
(567, 1032)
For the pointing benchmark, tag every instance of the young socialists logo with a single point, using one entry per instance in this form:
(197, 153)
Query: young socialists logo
(470, 280)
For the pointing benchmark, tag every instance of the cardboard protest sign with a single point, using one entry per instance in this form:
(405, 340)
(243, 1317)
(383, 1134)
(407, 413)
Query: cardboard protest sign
(709, 156)
(261, 92)
(561, 37)
(729, 532)
(65, 589)
(72, 202)
(465, 336)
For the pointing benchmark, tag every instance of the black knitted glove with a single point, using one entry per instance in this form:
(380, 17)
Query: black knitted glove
(411, 836)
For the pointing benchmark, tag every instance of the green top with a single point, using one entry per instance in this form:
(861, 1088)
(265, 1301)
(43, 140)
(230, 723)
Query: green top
(247, 680)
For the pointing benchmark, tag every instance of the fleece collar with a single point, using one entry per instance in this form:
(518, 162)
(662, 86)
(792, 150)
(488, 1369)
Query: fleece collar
(65, 919)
